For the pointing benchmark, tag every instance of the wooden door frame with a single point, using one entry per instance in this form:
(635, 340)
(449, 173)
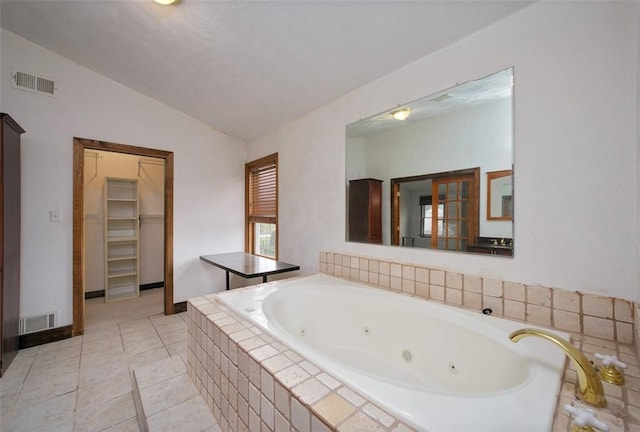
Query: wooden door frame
(395, 197)
(79, 146)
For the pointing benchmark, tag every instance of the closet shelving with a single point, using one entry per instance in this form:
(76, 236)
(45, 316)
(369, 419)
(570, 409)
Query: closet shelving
(121, 239)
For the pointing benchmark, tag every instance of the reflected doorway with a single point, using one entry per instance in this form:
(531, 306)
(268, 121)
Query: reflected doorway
(437, 211)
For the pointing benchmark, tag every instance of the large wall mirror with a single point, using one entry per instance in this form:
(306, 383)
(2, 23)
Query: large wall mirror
(437, 172)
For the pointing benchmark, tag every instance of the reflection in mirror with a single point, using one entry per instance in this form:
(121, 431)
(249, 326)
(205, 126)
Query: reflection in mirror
(499, 195)
(431, 170)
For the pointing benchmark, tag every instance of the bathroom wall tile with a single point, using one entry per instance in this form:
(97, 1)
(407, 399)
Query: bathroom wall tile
(422, 290)
(334, 409)
(323, 267)
(292, 375)
(337, 259)
(453, 296)
(330, 268)
(538, 295)
(281, 423)
(409, 273)
(566, 300)
(471, 300)
(437, 292)
(355, 273)
(300, 417)
(310, 391)
(396, 283)
(363, 264)
(453, 280)
(355, 263)
(254, 421)
(385, 268)
(473, 284)
(363, 276)
(323, 257)
(539, 314)
(624, 332)
(493, 303)
(436, 277)
(514, 309)
(514, 291)
(623, 310)
(360, 422)
(384, 281)
(598, 327)
(282, 400)
(266, 385)
(352, 397)
(276, 363)
(267, 412)
(328, 380)
(254, 398)
(396, 270)
(374, 278)
(422, 275)
(597, 306)
(568, 321)
(491, 287)
(408, 286)
(318, 425)
(337, 270)
(377, 414)
(374, 266)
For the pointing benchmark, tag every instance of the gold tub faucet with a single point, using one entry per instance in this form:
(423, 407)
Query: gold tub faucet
(589, 388)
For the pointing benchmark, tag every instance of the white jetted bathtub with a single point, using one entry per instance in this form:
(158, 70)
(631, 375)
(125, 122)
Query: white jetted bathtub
(438, 368)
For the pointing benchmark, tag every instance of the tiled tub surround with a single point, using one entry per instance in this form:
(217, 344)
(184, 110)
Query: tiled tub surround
(418, 359)
(252, 382)
(601, 317)
(233, 385)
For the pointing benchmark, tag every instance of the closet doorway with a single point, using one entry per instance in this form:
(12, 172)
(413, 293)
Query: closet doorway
(90, 152)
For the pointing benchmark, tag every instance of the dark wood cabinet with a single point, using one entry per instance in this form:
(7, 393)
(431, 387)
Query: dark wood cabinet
(490, 249)
(365, 210)
(10, 133)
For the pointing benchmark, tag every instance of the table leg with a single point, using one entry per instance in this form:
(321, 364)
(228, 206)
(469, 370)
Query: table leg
(227, 280)
(264, 278)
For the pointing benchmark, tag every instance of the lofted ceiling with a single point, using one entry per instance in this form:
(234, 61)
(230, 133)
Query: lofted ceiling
(246, 67)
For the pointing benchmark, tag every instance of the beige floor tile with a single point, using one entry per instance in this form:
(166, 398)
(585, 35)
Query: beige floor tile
(102, 415)
(159, 371)
(52, 414)
(103, 390)
(103, 368)
(189, 416)
(145, 358)
(167, 393)
(143, 345)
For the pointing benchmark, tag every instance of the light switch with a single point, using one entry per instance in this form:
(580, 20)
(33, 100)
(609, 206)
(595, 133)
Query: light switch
(54, 216)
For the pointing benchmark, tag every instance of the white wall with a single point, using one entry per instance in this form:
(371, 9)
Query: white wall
(576, 166)
(208, 176)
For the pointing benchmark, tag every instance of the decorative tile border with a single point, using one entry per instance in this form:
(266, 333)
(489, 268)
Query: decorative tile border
(601, 317)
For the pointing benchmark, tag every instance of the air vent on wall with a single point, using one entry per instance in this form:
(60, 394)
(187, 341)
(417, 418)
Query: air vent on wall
(33, 83)
(34, 323)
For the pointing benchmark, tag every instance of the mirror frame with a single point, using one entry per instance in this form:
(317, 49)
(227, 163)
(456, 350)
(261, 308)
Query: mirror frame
(493, 175)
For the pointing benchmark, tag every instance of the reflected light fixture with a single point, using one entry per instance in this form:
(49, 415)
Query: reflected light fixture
(167, 2)
(401, 114)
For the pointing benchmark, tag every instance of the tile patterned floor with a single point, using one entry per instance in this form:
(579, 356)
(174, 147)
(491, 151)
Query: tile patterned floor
(84, 384)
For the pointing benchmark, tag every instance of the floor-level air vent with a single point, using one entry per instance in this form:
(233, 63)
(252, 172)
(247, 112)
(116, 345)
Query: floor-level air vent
(34, 323)
(33, 83)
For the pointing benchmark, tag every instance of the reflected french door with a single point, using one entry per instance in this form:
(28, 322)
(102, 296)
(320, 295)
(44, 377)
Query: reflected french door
(455, 209)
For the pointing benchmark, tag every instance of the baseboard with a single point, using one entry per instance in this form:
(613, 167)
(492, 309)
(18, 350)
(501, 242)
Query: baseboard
(100, 293)
(45, 336)
(151, 285)
(59, 333)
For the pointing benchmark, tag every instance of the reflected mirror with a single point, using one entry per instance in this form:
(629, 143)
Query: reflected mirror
(437, 172)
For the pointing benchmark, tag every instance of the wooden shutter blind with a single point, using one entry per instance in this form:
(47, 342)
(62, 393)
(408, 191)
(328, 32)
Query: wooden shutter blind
(263, 200)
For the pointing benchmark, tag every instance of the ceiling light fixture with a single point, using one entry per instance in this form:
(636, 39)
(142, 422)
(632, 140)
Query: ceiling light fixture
(401, 114)
(167, 2)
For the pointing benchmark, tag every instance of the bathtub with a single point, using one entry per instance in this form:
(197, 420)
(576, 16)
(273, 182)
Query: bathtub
(435, 367)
